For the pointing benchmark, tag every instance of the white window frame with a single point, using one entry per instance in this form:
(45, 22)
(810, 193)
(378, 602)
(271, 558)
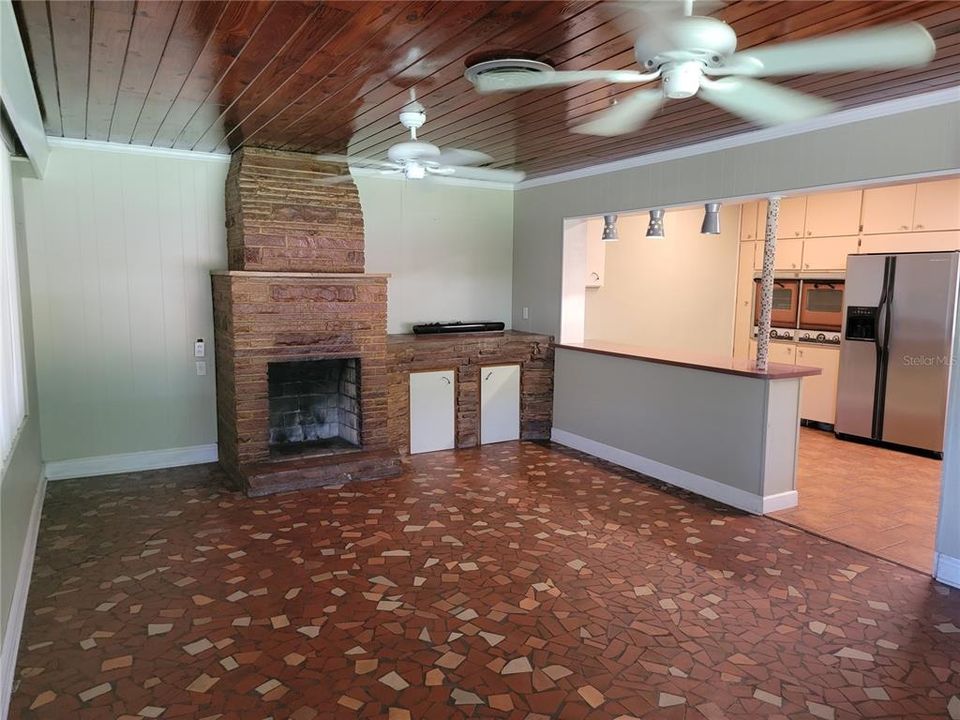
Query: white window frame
(13, 395)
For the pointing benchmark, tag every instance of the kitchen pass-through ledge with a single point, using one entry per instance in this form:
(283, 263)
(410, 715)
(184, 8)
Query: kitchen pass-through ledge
(682, 358)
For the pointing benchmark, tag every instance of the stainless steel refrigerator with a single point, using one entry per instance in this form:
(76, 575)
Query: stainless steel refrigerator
(896, 351)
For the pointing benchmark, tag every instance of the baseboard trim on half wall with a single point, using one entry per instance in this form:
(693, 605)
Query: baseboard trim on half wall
(946, 569)
(18, 603)
(698, 484)
(130, 462)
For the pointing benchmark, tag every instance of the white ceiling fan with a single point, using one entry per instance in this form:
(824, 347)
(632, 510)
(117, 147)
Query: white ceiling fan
(687, 52)
(416, 159)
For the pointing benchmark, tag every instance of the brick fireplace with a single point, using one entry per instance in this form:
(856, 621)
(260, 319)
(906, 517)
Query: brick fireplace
(300, 330)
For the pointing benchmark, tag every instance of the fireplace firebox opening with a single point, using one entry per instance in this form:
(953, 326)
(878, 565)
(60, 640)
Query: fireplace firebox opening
(314, 406)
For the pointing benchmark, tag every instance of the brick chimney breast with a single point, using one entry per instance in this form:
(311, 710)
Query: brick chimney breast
(297, 307)
(283, 216)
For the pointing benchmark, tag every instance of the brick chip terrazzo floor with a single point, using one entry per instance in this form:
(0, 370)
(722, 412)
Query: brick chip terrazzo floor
(512, 581)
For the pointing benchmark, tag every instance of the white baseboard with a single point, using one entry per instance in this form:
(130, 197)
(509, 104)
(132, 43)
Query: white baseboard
(673, 476)
(780, 501)
(946, 569)
(18, 604)
(131, 462)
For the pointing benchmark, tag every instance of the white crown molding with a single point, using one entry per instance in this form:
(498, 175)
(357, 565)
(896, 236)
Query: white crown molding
(123, 148)
(434, 179)
(18, 603)
(843, 117)
(130, 462)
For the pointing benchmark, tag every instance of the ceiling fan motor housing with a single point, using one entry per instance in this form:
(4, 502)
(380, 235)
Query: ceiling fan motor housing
(703, 39)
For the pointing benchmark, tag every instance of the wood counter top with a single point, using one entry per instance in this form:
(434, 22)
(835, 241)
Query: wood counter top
(728, 366)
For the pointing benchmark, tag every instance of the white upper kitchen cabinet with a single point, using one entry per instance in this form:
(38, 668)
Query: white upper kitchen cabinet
(789, 257)
(911, 242)
(888, 209)
(828, 253)
(818, 393)
(833, 214)
(432, 411)
(596, 255)
(499, 403)
(749, 221)
(937, 205)
(793, 212)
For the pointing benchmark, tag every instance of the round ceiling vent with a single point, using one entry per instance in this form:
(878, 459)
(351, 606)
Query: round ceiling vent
(506, 65)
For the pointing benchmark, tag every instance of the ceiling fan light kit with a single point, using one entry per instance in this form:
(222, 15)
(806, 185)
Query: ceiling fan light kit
(415, 159)
(686, 52)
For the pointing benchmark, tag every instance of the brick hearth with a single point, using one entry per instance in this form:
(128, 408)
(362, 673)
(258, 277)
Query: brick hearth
(296, 291)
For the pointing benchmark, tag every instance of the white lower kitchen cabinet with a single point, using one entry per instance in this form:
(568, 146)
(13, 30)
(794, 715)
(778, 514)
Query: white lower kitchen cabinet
(781, 352)
(499, 403)
(432, 411)
(818, 393)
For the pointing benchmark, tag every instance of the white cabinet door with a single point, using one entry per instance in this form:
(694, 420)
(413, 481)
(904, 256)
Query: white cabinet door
(499, 403)
(888, 209)
(748, 220)
(432, 411)
(791, 219)
(789, 255)
(911, 242)
(743, 316)
(835, 213)
(596, 258)
(818, 393)
(781, 352)
(828, 253)
(938, 205)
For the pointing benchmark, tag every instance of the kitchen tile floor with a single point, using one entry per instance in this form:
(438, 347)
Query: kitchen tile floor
(516, 581)
(878, 500)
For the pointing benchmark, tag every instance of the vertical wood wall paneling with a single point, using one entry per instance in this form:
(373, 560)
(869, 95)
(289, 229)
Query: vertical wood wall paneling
(120, 250)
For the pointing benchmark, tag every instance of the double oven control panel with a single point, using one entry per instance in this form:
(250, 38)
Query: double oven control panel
(819, 337)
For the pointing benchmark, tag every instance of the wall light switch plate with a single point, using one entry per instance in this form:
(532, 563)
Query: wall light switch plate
(201, 367)
(526, 313)
(199, 348)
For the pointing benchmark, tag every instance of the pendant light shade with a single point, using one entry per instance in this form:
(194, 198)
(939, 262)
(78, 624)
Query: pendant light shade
(711, 219)
(610, 228)
(655, 228)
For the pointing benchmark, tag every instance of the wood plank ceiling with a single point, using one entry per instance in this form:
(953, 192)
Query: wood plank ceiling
(319, 77)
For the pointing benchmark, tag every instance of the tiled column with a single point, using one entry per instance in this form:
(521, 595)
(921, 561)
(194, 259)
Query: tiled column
(766, 281)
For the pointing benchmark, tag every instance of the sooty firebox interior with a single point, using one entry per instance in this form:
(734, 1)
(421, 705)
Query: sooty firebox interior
(314, 406)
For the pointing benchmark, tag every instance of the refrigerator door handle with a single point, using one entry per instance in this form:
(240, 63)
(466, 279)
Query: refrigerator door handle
(881, 338)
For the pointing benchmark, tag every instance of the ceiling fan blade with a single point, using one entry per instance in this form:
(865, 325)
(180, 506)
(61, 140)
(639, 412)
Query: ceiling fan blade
(460, 156)
(761, 102)
(503, 81)
(480, 173)
(881, 48)
(357, 161)
(336, 179)
(626, 116)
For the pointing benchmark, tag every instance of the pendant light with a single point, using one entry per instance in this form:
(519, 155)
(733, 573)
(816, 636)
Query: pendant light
(711, 219)
(610, 228)
(655, 228)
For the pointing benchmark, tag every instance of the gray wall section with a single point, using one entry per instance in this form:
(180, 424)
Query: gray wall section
(705, 423)
(912, 142)
(21, 476)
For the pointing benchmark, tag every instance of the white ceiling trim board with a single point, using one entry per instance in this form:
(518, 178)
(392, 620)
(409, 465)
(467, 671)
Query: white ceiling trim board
(843, 117)
(101, 146)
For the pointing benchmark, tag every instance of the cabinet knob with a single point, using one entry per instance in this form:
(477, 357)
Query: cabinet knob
(793, 265)
(918, 227)
(807, 265)
(904, 227)
(809, 232)
(796, 233)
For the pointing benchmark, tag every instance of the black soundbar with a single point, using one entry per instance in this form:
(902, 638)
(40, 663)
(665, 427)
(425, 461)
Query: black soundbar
(438, 328)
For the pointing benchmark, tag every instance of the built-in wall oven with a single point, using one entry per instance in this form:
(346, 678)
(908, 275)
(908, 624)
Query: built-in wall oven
(786, 304)
(821, 305)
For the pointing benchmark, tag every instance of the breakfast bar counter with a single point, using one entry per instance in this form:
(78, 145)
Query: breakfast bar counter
(719, 427)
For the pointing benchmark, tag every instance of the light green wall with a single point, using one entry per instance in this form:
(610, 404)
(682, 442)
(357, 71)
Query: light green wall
(449, 248)
(120, 249)
(21, 476)
(913, 142)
